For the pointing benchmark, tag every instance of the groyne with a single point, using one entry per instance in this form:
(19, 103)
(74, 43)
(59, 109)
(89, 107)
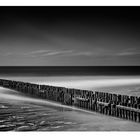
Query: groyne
(116, 105)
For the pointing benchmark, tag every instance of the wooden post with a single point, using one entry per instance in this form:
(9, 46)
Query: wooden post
(125, 113)
(135, 116)
(120, 113)
(138, 116)
(117, 112)
(131, 115)
(106, 110)
(103, 109)
(109, 110)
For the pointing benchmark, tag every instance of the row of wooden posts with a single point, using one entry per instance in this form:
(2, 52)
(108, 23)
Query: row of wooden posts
(116, 105)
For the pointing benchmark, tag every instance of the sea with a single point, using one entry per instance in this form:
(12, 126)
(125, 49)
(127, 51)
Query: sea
(21, 113)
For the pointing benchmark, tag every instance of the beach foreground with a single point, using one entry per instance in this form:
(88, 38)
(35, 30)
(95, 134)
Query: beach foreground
(19, 113)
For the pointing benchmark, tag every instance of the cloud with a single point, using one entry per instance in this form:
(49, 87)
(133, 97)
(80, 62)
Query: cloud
(46, 53)
(56, 52)
(35, 53)
(73, 53)
(66, 53)
(126, 53)
(84, 53)
(69, 53)
(39, 51)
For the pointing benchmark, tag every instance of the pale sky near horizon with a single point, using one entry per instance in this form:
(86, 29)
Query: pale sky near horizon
(69, 36)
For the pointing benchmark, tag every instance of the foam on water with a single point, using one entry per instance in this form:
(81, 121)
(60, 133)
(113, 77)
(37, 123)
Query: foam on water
(94, 83)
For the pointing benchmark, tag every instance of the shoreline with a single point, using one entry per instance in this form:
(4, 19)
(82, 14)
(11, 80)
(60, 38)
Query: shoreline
(121, 106)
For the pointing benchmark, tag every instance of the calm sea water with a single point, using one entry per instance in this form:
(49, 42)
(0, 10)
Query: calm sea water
(18, 113)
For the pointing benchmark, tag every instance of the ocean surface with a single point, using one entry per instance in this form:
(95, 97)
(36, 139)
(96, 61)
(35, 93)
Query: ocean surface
(20, 113)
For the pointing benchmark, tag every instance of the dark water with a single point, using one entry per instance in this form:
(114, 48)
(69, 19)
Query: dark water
(69, 70)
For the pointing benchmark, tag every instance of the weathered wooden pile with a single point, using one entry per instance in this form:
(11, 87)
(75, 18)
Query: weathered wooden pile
(121, 106)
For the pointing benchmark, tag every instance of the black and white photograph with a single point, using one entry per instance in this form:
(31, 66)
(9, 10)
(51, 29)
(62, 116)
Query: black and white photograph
(69, 68)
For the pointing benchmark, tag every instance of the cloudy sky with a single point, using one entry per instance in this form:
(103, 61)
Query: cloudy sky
(69, 36)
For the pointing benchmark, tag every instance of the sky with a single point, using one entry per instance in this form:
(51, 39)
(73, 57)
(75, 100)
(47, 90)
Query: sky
(69, 36)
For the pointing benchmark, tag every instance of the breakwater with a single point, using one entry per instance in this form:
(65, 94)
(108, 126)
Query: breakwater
(116, 105)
